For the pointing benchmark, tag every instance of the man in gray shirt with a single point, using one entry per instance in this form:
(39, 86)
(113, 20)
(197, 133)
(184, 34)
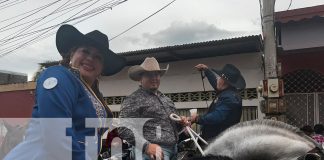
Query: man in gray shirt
(160, 133)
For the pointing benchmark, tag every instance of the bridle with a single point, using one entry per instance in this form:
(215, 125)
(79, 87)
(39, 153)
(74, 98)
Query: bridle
(194, 136)
(314, 154)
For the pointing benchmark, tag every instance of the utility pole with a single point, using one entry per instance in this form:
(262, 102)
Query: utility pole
(270, 52)
(272, 85)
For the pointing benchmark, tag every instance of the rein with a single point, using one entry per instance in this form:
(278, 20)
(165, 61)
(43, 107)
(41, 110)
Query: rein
(203, 84)
(194, 136)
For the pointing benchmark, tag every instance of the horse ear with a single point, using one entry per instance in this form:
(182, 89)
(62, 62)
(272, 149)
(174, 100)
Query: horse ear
(312, 156)
(7, 125)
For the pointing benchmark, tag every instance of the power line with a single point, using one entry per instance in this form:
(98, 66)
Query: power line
(10, 4)
(59, 16)
(22, 40)
(44, 7)
(10, 18)
(25, 28)
(289, 5)
(31, 33)
(80, 11)
(24, 44)
(142, 20)
(4, 1)
(34, 39)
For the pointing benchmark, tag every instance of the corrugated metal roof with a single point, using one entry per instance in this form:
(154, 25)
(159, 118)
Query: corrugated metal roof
(205, 49)
(213, 48)
(300, 14)
(12, 73)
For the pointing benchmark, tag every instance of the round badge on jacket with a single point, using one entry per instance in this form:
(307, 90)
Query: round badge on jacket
(50, 83)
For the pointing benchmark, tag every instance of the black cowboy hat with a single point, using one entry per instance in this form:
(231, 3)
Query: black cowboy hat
(67, 37)
(232, 75)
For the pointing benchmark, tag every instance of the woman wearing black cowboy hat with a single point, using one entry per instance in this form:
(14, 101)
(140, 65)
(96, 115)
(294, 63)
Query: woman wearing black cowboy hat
(226, 110)
(66, 95)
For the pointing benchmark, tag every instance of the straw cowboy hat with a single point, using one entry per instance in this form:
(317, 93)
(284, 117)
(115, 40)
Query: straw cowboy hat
(150, 64)
(232, 76)
(67, 37)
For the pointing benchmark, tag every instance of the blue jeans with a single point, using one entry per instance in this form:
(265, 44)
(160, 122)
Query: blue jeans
(169, 153)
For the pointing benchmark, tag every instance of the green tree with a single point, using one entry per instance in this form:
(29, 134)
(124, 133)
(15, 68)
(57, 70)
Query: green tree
(43, 66)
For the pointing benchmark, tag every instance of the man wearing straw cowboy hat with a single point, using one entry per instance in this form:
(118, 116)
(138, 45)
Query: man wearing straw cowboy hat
(226, 110)
(160, 133)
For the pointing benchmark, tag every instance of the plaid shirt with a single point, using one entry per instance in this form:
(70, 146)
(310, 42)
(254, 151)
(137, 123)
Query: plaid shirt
(318, 138)
(145, 104)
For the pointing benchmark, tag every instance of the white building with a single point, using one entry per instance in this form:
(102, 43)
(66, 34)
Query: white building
(182, 83)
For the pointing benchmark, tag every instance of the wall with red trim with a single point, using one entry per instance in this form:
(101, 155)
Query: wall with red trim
(292, 62)
(16, 104)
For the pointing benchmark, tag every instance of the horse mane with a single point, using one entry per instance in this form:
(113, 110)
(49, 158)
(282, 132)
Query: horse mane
(266, 122)
(261, 139)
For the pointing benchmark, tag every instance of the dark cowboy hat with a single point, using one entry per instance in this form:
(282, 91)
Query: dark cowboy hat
(67, 37)
(232, 75)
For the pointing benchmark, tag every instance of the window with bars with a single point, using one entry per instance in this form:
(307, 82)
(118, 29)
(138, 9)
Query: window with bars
(303, 81)
(248, 93)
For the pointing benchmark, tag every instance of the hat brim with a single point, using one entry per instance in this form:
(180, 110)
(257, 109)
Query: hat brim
(135, 72)
(67, 37)
(239, 84)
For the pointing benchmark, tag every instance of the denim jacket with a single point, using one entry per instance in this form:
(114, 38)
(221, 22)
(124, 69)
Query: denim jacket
(67, 100)
(222, 113)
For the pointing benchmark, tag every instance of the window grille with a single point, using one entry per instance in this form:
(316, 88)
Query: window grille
(194, 96)
(321, 107)
(115, 114)
(249, 93)
(303, 81)
(109, 100)
(174, 97)
(300, 108)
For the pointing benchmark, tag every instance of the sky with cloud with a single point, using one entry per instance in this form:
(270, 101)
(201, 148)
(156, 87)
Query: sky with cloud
(184, 21)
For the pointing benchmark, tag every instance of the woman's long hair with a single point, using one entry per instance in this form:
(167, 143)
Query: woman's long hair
(67, 57)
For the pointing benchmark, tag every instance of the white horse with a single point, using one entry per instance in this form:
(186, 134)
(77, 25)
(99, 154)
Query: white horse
(15, 135)
(263, 140)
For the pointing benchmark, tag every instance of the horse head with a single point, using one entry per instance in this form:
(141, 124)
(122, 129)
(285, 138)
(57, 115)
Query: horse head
(14, 135)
